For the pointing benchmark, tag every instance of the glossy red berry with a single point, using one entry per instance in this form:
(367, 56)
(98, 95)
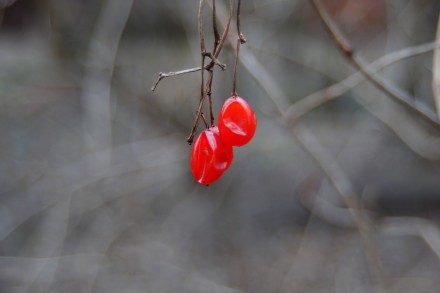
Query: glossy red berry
(210, 156)
(237, 121)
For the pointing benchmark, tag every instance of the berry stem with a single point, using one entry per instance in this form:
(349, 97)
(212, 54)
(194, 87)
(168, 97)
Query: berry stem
(214, 57)
(241, 40)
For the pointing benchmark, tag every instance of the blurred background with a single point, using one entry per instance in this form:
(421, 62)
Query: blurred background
(96, 193)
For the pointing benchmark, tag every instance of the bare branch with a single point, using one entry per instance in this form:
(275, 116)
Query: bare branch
(225, 32)
(240, 35)
(201, 32)
(210, 78)
(234, 79)
(214, 25)
(310, 102)
(202, 49)
(389, 89)
(173, 73)
(241, 40)
(214, 61)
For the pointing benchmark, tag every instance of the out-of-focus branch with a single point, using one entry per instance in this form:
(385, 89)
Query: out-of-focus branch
(389, 89)
(314, 100)
(347, 192)
(436, 71)
(310, 144)
(404, 226)
(100, 61)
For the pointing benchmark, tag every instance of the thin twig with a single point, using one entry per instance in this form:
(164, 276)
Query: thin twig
(214, 25)
(241, 40)
(312, 101)
(204, 120)
(210, 78)
(225, 32)
(213, 56)
(201, 31)
(173, 73)
(389, 89)
(234, 79)
(240, 35)
(202, 50)
(211, 72)
(214, 61)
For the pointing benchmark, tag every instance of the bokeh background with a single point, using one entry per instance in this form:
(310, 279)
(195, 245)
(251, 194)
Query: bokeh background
(96, 193)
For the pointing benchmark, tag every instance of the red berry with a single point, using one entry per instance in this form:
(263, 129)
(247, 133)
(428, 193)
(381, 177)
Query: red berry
(237, 121)
(210, 156)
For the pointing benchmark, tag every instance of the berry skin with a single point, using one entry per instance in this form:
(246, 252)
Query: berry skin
(210, 156)
(237, 121)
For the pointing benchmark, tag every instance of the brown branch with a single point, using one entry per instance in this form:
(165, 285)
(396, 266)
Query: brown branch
(210, 79)
(173, 73)
(202, 51)
(205, 90)
(241, 40)
(214, 61)
(389, 89)
(199, 112)
(214, 25)
(240, 35)
(234, 79)
(225, 32)
(201, 31)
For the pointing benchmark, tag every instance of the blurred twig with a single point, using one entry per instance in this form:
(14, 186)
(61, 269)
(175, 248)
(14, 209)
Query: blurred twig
(347, 193)
(310, 102)
(100, 61)
(6, 3)
(422, 228)
(310, 144)
(309, 197)
(436, 71)
(389, 89)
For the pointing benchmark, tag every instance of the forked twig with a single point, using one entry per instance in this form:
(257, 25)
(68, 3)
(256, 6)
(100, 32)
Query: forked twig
(216, 53)
(205, 88)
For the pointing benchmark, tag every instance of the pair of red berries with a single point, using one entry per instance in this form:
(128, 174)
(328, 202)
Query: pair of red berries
(211, 153)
